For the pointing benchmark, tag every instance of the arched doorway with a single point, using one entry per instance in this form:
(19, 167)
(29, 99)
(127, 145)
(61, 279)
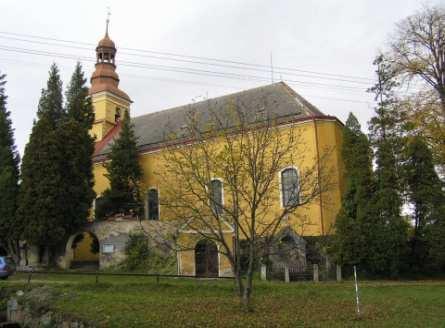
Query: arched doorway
(206, 259)
(85, 251)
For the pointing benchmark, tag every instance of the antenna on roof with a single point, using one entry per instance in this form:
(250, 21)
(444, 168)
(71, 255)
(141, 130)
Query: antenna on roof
(271, 67)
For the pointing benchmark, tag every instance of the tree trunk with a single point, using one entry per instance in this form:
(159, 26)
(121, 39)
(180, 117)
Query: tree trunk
(237, 254)
(247, 293)
(440, 88)
(239, 283)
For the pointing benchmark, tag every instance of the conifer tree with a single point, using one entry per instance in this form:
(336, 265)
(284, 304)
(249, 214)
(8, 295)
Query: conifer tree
(124, 174)
(41, 208)
(79, 106)
(424, 191)
(76, 147)
(388, 229)
(350, 243)
(10, 229)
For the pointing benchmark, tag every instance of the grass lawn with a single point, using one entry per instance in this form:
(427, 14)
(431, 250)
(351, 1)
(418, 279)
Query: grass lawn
(141, 302)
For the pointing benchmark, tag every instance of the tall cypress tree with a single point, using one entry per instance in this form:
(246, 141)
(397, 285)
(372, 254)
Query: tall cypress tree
(388, 228)
(124, 174)
(76, 148)
(41, 208)
(10, 229)
(424, 191)
(79, 106)
(350, 243)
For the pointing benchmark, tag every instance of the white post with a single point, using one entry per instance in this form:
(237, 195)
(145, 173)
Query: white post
(263, 272)
(356, 292)
(286, 273)
(316, 277)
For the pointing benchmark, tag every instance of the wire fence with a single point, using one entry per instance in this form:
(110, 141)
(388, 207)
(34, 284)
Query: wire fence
(97, 274)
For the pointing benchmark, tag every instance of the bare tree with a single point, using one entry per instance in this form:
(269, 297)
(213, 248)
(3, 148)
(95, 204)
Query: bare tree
(418, 49)
(246, 154)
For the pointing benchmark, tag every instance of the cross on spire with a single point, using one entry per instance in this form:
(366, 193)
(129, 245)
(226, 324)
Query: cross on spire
(108, 20)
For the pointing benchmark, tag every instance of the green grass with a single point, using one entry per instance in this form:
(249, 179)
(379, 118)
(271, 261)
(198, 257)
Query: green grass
(141, 302)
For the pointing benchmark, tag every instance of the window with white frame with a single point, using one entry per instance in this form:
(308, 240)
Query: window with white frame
(153, 204)
(216, 196)
(289, 187)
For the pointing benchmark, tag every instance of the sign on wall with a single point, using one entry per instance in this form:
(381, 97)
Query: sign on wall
(108, 248)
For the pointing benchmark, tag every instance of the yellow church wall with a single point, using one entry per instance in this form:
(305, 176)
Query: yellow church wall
(101, 182)
(315, 219)
(330, 139)
(307, 220)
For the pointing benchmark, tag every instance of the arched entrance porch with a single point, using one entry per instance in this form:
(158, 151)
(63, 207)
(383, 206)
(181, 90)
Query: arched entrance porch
(206, 259)
(82, 251)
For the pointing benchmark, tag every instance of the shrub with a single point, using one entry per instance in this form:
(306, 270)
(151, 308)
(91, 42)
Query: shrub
(144, 258)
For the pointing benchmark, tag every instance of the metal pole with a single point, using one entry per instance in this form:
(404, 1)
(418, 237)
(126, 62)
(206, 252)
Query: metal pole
(29, 278)
(356, 292)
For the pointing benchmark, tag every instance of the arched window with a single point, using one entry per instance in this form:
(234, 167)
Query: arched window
(153, 204)
(216, 196)
(289, 187)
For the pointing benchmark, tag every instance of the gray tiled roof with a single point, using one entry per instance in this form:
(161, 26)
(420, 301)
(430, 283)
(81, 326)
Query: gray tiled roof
(276, 100)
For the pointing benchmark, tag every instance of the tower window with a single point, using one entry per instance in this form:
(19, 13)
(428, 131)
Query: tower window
(117, 116)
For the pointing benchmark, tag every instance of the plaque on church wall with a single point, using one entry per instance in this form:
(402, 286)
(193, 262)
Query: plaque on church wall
(108, 248)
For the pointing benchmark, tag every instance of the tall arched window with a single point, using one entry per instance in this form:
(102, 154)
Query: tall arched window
(216, 196)
(153, 204)
(289, 187)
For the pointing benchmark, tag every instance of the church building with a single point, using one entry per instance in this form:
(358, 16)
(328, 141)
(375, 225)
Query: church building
(110, 103)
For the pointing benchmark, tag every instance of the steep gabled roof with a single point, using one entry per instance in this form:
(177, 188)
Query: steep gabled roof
(276, 100)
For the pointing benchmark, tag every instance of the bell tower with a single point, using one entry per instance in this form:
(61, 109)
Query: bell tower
(108, 100)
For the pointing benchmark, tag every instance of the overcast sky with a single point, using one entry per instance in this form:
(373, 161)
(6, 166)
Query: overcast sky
(333, 41)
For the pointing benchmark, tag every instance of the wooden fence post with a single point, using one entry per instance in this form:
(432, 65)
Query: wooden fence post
(316, 276)
(339, 277)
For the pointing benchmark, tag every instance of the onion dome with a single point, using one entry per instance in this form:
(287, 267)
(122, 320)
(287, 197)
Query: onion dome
(106, 42)
(105, 77)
